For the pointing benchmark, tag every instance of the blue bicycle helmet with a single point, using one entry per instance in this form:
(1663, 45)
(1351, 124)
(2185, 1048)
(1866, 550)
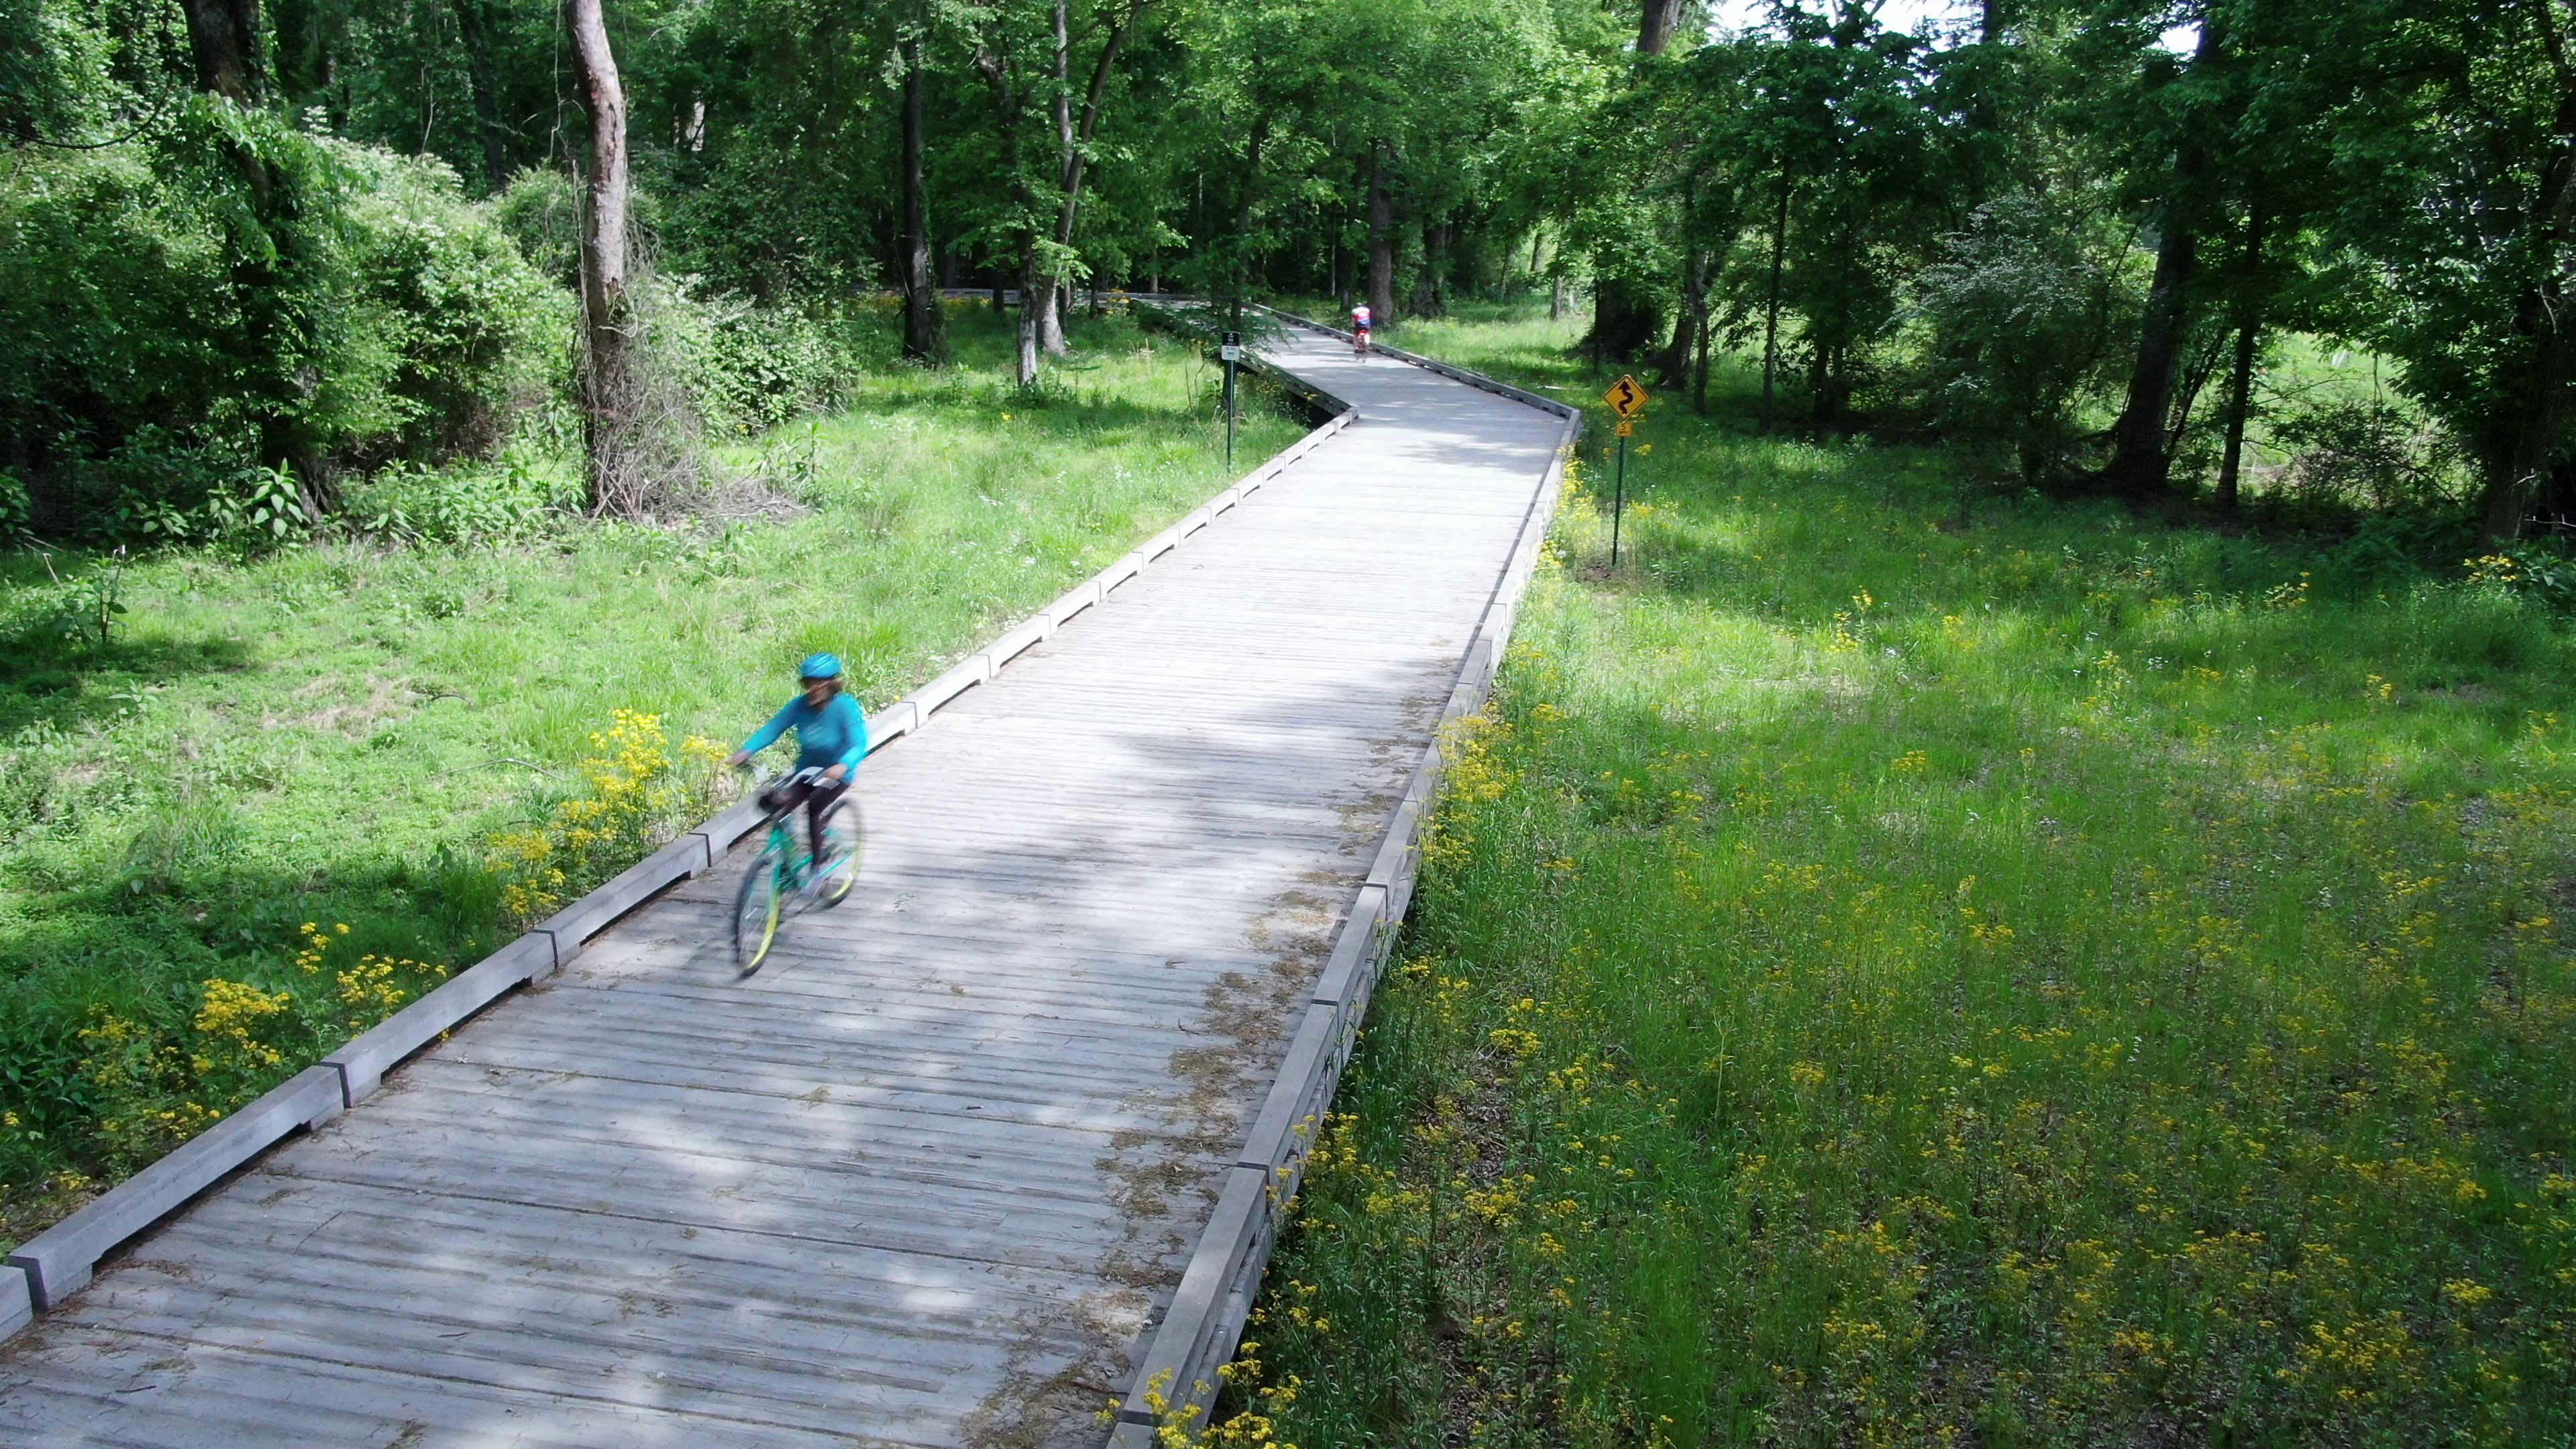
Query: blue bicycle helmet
(820, 666)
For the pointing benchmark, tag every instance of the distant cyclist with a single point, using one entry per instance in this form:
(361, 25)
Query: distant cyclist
(831, 739)
(1360, 329)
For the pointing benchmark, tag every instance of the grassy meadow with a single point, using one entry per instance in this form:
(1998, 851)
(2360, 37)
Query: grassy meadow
(285, 793)
(2072, 978)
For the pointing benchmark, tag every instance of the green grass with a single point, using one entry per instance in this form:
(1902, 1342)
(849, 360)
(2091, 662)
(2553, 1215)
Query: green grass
(338, 733)
(2067, 979)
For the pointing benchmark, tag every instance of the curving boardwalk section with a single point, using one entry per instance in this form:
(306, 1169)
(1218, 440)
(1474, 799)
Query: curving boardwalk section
(932, 1175)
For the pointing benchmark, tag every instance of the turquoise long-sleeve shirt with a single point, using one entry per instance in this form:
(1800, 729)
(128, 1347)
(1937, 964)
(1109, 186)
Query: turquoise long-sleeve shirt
(836, 734)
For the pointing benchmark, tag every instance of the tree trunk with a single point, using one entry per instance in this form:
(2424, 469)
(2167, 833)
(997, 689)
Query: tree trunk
(1381, 239)
(1624, 320)
(1051, 314)
(1051, 319)
(1073, 139)
(1686, 327)
(2535, 426)
(1699, 376)
(224, 40)
(1655, 29)
(608, 379)
(2239, 398)
(2249, 328)
(1771, 307)
(301, 50)
(1036, 298)
(925, 329)
(473, 26)
(2140, 463)
(1436, 261)
(1244, 196)
(1034, 302)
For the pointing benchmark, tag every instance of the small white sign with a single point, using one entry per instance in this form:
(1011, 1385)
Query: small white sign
(1231, 353)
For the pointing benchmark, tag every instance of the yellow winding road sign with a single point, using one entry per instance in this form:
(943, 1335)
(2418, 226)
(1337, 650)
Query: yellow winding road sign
(1625, 397)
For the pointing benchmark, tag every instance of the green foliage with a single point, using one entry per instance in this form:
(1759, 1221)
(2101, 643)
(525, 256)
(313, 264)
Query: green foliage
(151, 313)
(2372, 454)
(751, 369)
(462, 325)
(510, 500)
(17, 511)
(2024, 312)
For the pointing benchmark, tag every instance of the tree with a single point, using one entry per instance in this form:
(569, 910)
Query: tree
(610, 387)
(2024, 308)
(2452, 128)
(2141, 462)
(1074, 137)
(925, 332)
(999, 60)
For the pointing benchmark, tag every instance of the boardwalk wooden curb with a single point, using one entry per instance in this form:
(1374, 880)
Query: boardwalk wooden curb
(58, 1261)
(17, 1305)
(45, 1269)
(1222, 1280)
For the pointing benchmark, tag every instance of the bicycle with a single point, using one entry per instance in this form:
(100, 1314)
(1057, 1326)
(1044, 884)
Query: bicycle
(784, 869)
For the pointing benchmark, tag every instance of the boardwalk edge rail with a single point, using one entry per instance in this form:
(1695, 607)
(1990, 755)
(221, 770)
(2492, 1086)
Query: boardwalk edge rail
(47, 1268)
(1176, 1379)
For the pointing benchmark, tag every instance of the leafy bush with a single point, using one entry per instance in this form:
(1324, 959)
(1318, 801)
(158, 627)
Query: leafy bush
(749, 368)
(441, 291)
(505, 501)
(17, 512)
(2372, 454)
(151, 1083)
(2024, 309)
(637, 792)
(167, 336)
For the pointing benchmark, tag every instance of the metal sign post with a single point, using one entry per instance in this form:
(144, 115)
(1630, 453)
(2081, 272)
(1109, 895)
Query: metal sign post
(1627, 400)
(1232, 351)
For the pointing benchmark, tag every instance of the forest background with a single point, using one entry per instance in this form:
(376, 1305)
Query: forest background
(421, 345)
(260, 257)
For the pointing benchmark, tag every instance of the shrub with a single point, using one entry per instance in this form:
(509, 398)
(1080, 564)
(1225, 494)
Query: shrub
(2372, 454)
(637, 791)
(150, 1084)
(2023, 309)
(390, 318)
(505, 501)
(444, 318)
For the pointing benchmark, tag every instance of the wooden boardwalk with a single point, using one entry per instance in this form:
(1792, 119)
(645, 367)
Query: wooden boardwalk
(929, 1178)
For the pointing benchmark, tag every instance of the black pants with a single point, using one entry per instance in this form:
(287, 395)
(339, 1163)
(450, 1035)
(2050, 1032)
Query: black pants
(817, 793)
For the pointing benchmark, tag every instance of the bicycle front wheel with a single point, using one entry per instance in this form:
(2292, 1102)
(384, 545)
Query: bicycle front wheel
(755, 913)
(844, 843)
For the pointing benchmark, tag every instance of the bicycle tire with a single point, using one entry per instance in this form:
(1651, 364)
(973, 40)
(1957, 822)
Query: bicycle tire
(755, 913)
(845, 839)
